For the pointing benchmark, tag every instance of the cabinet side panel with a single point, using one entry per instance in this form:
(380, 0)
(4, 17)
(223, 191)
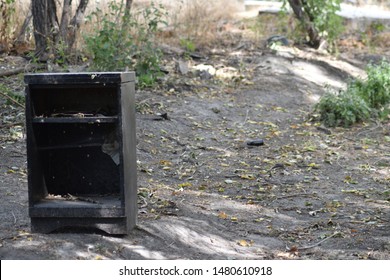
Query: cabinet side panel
(36, 182)
(128, 124)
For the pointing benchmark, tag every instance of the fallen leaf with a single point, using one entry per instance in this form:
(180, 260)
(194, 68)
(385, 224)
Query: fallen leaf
(357, 192)
(248, 176)
(222, 215)
(244, 164)
(23, 233)
(293, 250)
(280, 109)
(310, 148)
(273, 133)
(314, 165)
(165, 163)
(245, 243)
(270, 124)
(348, 179)
(186, 184)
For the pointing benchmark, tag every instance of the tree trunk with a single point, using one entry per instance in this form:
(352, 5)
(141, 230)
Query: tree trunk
(21, 39)
(128, 6)
(127, 14)
(303, 14)
(48, 33)
(65, 17)
(45, 27)
(75, 23)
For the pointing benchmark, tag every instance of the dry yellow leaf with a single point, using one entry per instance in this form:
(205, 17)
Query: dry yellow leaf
(248, 176)
(186, 184)
(222, 215)
(165, 163)
(245, 243)
(244, 163)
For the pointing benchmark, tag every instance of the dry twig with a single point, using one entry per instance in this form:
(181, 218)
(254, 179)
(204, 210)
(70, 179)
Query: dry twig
(12, 99)
(8, 125)
(295, 194)
(311, 246)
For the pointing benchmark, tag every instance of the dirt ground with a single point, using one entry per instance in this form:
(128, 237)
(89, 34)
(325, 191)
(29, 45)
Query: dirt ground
(309, 192)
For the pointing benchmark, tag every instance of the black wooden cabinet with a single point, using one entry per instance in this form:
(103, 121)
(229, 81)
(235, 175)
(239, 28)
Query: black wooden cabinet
(81, 151)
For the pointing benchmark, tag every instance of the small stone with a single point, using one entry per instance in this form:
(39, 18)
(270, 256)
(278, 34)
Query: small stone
(216, 110)
(183, 67)
(257, 142)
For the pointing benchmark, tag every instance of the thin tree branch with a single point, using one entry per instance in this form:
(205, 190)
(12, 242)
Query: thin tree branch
(12, 99)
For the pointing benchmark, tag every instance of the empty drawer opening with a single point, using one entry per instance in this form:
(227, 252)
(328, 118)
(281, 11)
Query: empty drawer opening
(73, 102)
(78, 159)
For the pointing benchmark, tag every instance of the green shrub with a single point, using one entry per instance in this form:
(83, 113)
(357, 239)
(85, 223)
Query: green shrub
(126, 41)
(343, 109)
(375, 90)
(362, 100)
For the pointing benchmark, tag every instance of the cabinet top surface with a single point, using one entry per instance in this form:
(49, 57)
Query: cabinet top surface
(80, 78)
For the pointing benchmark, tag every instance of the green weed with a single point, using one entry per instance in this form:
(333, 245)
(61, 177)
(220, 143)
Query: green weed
(343, 109)
(375, 90)
(188, 45)
(11, 97)
(126, 41)
(362, 100)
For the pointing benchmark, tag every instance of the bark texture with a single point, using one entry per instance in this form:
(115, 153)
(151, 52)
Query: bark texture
(303, 14)
(49, 32)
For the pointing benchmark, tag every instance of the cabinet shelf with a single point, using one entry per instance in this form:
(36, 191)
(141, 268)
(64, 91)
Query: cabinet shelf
(69, 146)
(95, 206)
(89, 120)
